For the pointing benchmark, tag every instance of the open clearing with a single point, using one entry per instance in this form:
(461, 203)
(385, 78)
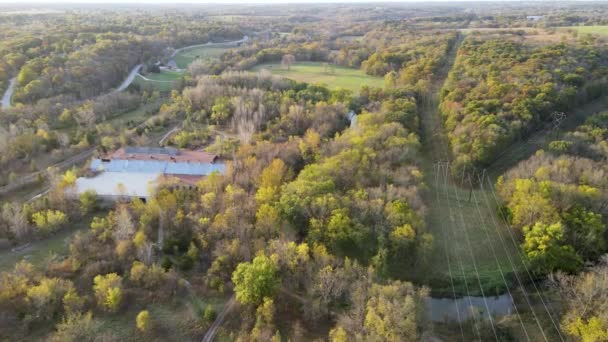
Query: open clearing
(471, 243)
(163, 81)
(151, 85)
(596, 29)
(165, 75)
(37, 252)
(184, 58)
(333, 76)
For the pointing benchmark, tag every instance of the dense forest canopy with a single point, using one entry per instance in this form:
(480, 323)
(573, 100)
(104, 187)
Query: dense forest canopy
(345, 212)
(502, 89)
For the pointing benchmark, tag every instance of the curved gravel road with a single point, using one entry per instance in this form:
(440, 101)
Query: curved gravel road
(127, 82)
(6, 99)
(172, 63)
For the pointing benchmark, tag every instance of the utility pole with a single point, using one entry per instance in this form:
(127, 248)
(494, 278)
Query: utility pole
(557, 119)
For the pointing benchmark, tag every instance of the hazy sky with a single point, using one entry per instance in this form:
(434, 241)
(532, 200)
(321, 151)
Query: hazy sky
(22, 2)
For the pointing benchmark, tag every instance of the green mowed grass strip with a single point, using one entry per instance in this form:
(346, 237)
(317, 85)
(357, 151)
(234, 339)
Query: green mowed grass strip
(38, 251)
(333, 76)
(447, 229)
(596, 29)
(154, 85)
(165, 76)
(184, 58)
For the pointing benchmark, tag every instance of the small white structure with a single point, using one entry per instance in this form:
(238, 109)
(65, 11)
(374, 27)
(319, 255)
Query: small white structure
(534, 17)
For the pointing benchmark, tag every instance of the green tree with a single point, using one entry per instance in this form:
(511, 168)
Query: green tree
(545, 249)
(76, 328)
(45, 298)
(221, 110)
(108, 291)
(48, 221)
(338, 335)
(594, 330)
(143, 321)
(255, 280)
(88, 202)
(586, 231)
(392, 313)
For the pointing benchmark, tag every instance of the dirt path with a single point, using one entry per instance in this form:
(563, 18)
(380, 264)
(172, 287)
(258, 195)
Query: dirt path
(210, 334)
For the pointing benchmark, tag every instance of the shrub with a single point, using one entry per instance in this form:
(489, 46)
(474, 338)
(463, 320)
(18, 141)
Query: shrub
(143, 321)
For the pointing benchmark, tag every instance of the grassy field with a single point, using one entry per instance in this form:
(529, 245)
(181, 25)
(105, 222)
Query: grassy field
(337, 77)
(184, 58)
(160, 82)
(165, 76)
(136, 116)
(469, 238)
(472, 237)
(180, 321)
(596, 29)
(38, 251)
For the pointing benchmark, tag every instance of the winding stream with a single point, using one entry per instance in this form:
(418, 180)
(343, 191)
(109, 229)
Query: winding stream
(8, 94)
(462, 309)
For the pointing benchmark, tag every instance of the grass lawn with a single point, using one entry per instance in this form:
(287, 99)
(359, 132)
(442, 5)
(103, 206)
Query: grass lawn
(38, 251)
(180, 321)
(312, 72)
(470, 233)
(467, 233)
(596, 29)
(184, 58)
(162, 86)
(136, 116)
(165, 76)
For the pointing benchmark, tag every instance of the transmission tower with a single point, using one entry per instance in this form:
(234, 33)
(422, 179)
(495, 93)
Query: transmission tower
(557, 119)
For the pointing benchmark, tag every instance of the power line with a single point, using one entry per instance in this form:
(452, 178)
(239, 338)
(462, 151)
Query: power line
(447, 256)
(519, 253)
(466, 234)
(466, 285)
(483, 223)
(507, 253)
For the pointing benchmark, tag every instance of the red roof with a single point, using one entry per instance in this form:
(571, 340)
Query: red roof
(185, 179)
(188, 156)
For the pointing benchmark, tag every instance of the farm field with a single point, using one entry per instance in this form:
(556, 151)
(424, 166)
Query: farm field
(313, 72)
(184, 58)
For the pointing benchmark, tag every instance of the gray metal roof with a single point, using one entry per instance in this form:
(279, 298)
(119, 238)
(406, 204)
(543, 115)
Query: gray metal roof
(157, 167)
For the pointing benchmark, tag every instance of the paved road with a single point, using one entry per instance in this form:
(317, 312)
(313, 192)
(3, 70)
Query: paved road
(127, 82)
(210, 334)
(8, 94)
